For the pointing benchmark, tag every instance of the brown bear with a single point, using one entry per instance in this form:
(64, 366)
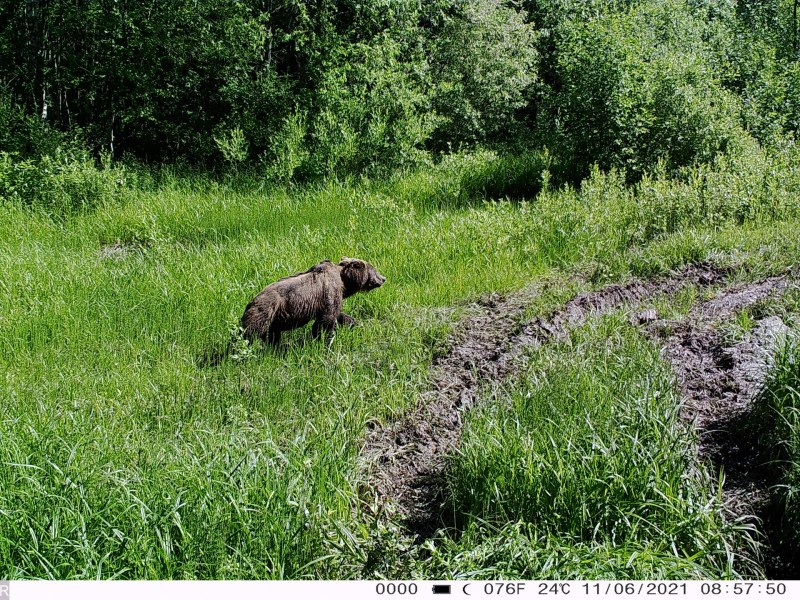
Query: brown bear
(317, 294)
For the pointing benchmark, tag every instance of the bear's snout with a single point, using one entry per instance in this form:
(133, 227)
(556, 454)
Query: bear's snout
(376, 281)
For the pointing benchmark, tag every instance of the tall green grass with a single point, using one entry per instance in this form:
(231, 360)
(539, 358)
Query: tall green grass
(586, 453)
(777, 420)
(124, 453)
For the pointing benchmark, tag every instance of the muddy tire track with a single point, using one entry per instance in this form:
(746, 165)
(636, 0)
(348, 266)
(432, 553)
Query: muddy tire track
(405, 461)
(719, 380)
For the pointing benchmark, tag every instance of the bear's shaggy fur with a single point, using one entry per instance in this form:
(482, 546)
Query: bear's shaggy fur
(316, 294)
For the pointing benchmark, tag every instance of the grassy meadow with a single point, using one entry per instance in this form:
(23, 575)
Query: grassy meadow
(125, 452)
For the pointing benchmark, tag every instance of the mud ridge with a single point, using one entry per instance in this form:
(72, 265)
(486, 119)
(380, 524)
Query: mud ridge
(405, 461)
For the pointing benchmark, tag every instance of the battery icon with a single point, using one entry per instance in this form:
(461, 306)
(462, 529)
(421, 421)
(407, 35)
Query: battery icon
(441, 589)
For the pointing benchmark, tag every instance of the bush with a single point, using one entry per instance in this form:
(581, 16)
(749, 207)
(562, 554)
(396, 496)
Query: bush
(371, 113)
(288, 150)
(772, 101)
(638, 88)
(25, 134)
(485, 63)
(60, 183)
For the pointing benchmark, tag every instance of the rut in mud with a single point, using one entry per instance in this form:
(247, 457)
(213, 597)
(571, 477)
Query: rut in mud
(719, 380)
(406, 460)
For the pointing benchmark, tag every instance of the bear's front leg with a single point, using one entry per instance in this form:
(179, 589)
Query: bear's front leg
(328, 316)
(326, 323)
(345, 319)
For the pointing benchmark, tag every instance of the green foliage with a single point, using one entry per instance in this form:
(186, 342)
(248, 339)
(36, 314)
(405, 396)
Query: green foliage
(240, 470)
(520, 175)
(777, 413)
(749, 185)
(520, 551)
(155, 464)
(340, 87)
(484, 61)
(772, 100)
(61, 183)
(588, 447)
(233, 147)
(159, 80)
(470, 178)
(288, 150)
(26, 135)
(371, 113)
(775, 22)
(638, 88)
(173, 468)
(126, 454)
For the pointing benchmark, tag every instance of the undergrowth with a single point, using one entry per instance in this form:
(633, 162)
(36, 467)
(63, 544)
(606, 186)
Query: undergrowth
(777, 415)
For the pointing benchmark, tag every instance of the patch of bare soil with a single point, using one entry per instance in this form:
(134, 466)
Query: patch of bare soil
(719, 381)
(406, 460)
(119, 250)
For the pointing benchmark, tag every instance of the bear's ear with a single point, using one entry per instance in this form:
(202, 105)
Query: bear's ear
(355, 263)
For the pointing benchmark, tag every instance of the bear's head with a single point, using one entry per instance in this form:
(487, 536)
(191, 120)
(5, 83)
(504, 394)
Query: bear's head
(359, 276)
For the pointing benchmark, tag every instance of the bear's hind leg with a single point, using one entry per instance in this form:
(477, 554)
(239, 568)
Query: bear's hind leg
(273, 337)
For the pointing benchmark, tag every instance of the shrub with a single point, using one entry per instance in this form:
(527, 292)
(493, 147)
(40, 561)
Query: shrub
(288, 150)
(485, 62)
(27, 135)
(638, 88)
(60, 183)
(371, 114)
(772, 101)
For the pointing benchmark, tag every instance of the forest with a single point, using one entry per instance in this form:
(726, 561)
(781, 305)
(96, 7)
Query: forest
(296, 91)
(578, 205)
